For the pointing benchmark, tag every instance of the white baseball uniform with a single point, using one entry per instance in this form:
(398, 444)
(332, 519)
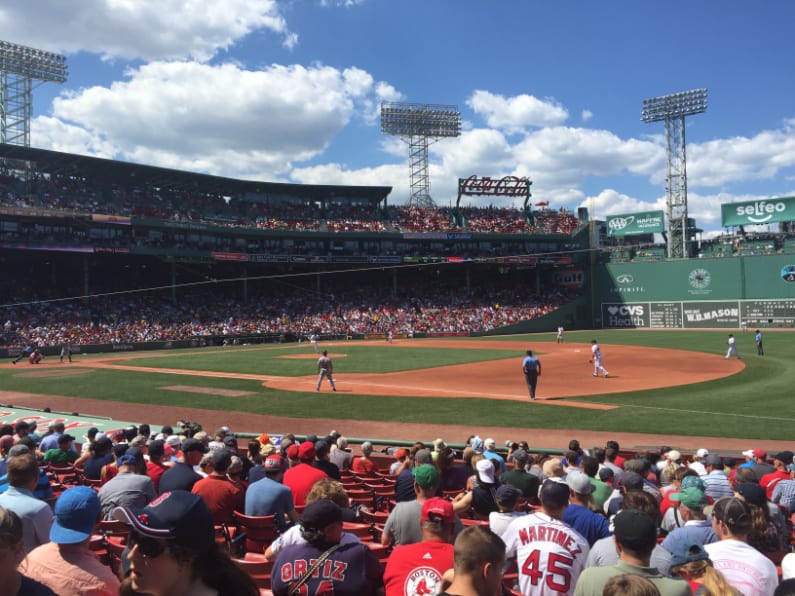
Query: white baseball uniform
(596, 356)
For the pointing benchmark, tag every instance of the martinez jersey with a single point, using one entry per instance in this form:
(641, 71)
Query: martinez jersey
(417, 569)
(550, 555)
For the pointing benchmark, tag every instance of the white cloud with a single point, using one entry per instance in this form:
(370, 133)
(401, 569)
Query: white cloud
(140, 29)
(612, 202)
(586, 115)
(220, 119)
(517, 112)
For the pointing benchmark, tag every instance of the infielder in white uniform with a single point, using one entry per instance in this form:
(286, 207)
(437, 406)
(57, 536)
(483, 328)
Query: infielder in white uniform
(314, 339)
(596, 358)
(550, 555)
(732, 351)
(559, 338)
(325, 369)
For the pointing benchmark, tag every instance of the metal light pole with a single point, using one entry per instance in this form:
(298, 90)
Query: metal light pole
(673, 109)
(19, 67)
(419, 124)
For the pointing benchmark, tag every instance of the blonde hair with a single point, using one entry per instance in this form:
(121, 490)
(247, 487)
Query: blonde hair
(328, 488)
(703, 572)
(553, 468)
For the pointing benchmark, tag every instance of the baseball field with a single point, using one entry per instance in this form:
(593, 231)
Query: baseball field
(661, 383)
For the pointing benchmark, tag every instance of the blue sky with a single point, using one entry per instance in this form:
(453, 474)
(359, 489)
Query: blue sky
(290, 91)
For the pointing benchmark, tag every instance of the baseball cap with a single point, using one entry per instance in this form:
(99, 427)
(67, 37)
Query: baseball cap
(76, 512)
(320, 514)
(635, 530)
(748, 453)
(292, 451)
(520, 456)
(579, 482)
(759, 453)
(6, 442)
(784, 457)
(306, 451)
(193, 445)
(485, 471)
(437, 509)
(489, 443)
(691, 497)
(686, 552)
(695, 481)
(508, 495)
(713, 459)
(173, 440)
(92, 432)
(674, 455)
(426, 476)
(274, 463)
(264, 438)
(702, 453)
(65, 439)
(477, 444)
(554, 494)
(423, 456)
(230, 442)
(631, 480)
(176, 515)
(221, 459)
(752, 493)
(439, 444)
(401, 453)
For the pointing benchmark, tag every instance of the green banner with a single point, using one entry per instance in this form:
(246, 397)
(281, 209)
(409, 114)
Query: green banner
(631, 224)
(757, 212)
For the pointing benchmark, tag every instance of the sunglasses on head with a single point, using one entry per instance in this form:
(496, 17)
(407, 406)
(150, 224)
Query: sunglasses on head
(150, 548)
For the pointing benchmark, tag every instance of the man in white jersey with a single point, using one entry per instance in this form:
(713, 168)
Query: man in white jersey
(732, 351)
(549, 554)
(559, 338)
(596, 358)
(314, 338)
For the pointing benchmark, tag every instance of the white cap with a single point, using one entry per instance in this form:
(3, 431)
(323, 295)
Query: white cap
(749, 453)
(702, 453)
(489, 444)
(674, 455)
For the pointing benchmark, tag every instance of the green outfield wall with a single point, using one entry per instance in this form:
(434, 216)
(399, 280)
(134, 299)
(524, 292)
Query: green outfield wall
(757, 291)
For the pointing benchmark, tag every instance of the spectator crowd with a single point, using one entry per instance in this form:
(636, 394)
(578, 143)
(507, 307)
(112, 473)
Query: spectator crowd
(182, 511)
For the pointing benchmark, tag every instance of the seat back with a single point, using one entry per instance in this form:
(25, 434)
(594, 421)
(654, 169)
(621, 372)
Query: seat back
(260, 530)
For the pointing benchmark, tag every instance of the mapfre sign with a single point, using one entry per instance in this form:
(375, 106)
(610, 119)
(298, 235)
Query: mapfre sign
(509, 186)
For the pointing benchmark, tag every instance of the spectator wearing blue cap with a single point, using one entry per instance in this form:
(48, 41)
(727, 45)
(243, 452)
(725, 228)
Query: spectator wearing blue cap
(65, 564)
(691, 562)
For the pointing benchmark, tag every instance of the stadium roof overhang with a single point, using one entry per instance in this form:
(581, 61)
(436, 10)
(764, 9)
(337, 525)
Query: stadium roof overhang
(107, 171)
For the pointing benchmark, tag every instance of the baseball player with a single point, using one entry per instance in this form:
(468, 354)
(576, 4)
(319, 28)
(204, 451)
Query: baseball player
(389, 337)
(596, 358)
(314, 338)
(760, 350)
(732, 351)
(325, 369)
(559, 338)
(25, 353)
(66, 350)
(531, 367)
(550, 555)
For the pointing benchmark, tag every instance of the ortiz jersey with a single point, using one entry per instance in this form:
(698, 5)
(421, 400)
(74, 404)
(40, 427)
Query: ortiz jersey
(351, 569)
(550, 555)
(417, 569)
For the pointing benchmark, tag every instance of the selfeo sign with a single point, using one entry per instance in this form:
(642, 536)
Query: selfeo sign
(758, 212)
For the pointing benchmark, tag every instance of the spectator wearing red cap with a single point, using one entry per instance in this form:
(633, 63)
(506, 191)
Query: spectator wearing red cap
(222, 495)
(268, 496)
(418, 568)
(300, 478)
(401, 461)
(781, 460)
(761, 465)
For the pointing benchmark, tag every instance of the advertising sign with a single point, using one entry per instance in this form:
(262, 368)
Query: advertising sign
(509, 186)
(617, 314)
(631, 224)
(757, 212)
(711, 314)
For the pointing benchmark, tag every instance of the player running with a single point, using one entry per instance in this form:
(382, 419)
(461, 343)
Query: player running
(596, 358)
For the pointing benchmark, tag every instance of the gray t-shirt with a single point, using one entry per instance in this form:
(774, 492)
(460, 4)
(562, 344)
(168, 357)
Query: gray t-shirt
(126, 489)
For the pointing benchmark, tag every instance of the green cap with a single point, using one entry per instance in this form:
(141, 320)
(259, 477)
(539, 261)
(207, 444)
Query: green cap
(691, 497)
(426, 476)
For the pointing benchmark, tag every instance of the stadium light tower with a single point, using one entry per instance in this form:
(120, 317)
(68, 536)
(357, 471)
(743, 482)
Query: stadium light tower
(19, 67)
(419, 124)
(673, 109)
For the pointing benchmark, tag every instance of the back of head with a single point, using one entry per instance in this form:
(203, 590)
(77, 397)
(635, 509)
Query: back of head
(474, 546)
(23, 470)
(734, 514)
(628, 584)
(635, 532)
(328, 488)
(10, 529)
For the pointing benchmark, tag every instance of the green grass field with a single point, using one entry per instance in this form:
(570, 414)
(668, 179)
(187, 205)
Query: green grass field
(756, 403)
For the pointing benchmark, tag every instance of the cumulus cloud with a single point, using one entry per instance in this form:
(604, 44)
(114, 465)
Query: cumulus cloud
(220, 119)
(586, 115)
(517, 112)
(143, 29)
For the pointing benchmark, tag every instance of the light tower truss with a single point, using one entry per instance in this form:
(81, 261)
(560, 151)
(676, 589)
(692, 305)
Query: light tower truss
(19, 67)
(672, 109)
(419, 125)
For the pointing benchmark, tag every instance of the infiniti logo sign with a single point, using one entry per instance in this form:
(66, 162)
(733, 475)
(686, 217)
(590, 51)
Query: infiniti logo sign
(625, 278)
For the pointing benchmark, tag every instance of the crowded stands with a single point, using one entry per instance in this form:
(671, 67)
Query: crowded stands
(247, 509)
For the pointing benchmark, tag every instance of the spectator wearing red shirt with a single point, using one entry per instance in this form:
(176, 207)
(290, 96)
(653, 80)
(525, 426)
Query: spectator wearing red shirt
(780, 461)
(363, 465)
(300, 478)
(418, 568)
(222, 495)
(155, 467)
